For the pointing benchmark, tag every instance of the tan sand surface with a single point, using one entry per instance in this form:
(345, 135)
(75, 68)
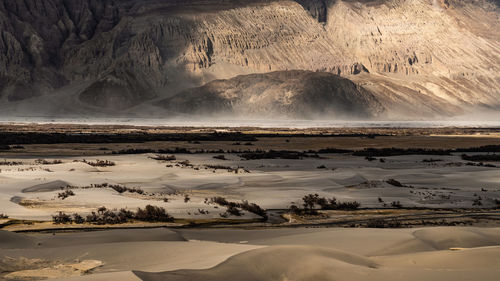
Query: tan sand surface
(31, 191)
(117, 250)
(440, 253)
(317, 257)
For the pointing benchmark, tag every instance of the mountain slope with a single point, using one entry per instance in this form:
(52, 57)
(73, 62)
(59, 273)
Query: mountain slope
(290, 94)
(421, 58)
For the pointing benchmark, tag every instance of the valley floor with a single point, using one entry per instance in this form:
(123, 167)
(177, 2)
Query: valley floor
(425, 180)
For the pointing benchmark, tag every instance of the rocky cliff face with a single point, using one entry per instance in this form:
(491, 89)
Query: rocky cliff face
(417, 57)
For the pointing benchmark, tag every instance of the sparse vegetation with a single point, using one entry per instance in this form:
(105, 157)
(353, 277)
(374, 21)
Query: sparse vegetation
(219, 200)
(11, 163)
(177, 150)
(253, 208)
(273, 154)
(432, 160)
(78, 219)
(381, 223)
(3, 216)
(159, 157)
(48, 162)
(134, 151)
(184, 163)
(116, 187)
(104, 216)
(233, 210)
(330, 151)
(481, 157)
(61, 218)
(65, 194)
(203, 212)
(153, 214)
(485, 148)
(219, 167)
(480, 164)
(385, 152)
(14, 138)
(394, 182)
(311, 201)
(119, 188)
(99, 163)
(232, 207)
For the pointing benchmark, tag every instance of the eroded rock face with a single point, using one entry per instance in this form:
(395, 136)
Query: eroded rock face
(317, 8)
(302, 94)
(444, 55)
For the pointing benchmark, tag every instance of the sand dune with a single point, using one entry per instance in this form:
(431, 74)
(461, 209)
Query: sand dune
(471, 259)
(443, 253)
(312, 263)
(276, 263)
(438, 253)
(441, 239)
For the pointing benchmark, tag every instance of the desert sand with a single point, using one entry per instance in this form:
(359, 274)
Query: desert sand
(442, 253)
(204, 242)
(30, 191)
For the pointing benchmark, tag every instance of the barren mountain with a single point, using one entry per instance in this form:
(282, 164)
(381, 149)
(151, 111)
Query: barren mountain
(290, 94)
(418, 58)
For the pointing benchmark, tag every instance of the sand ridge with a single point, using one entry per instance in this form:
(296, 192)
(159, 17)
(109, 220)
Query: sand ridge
(271, 254)
(307, 262)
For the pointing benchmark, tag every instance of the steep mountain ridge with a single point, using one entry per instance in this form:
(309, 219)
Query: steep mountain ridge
(421, 58)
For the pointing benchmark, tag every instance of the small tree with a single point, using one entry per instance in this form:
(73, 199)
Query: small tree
(78, 219)
(153, 214)
(61, 218)
(310, 201)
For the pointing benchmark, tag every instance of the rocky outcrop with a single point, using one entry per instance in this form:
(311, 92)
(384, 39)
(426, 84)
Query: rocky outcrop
(443, 54)
(295, 94)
